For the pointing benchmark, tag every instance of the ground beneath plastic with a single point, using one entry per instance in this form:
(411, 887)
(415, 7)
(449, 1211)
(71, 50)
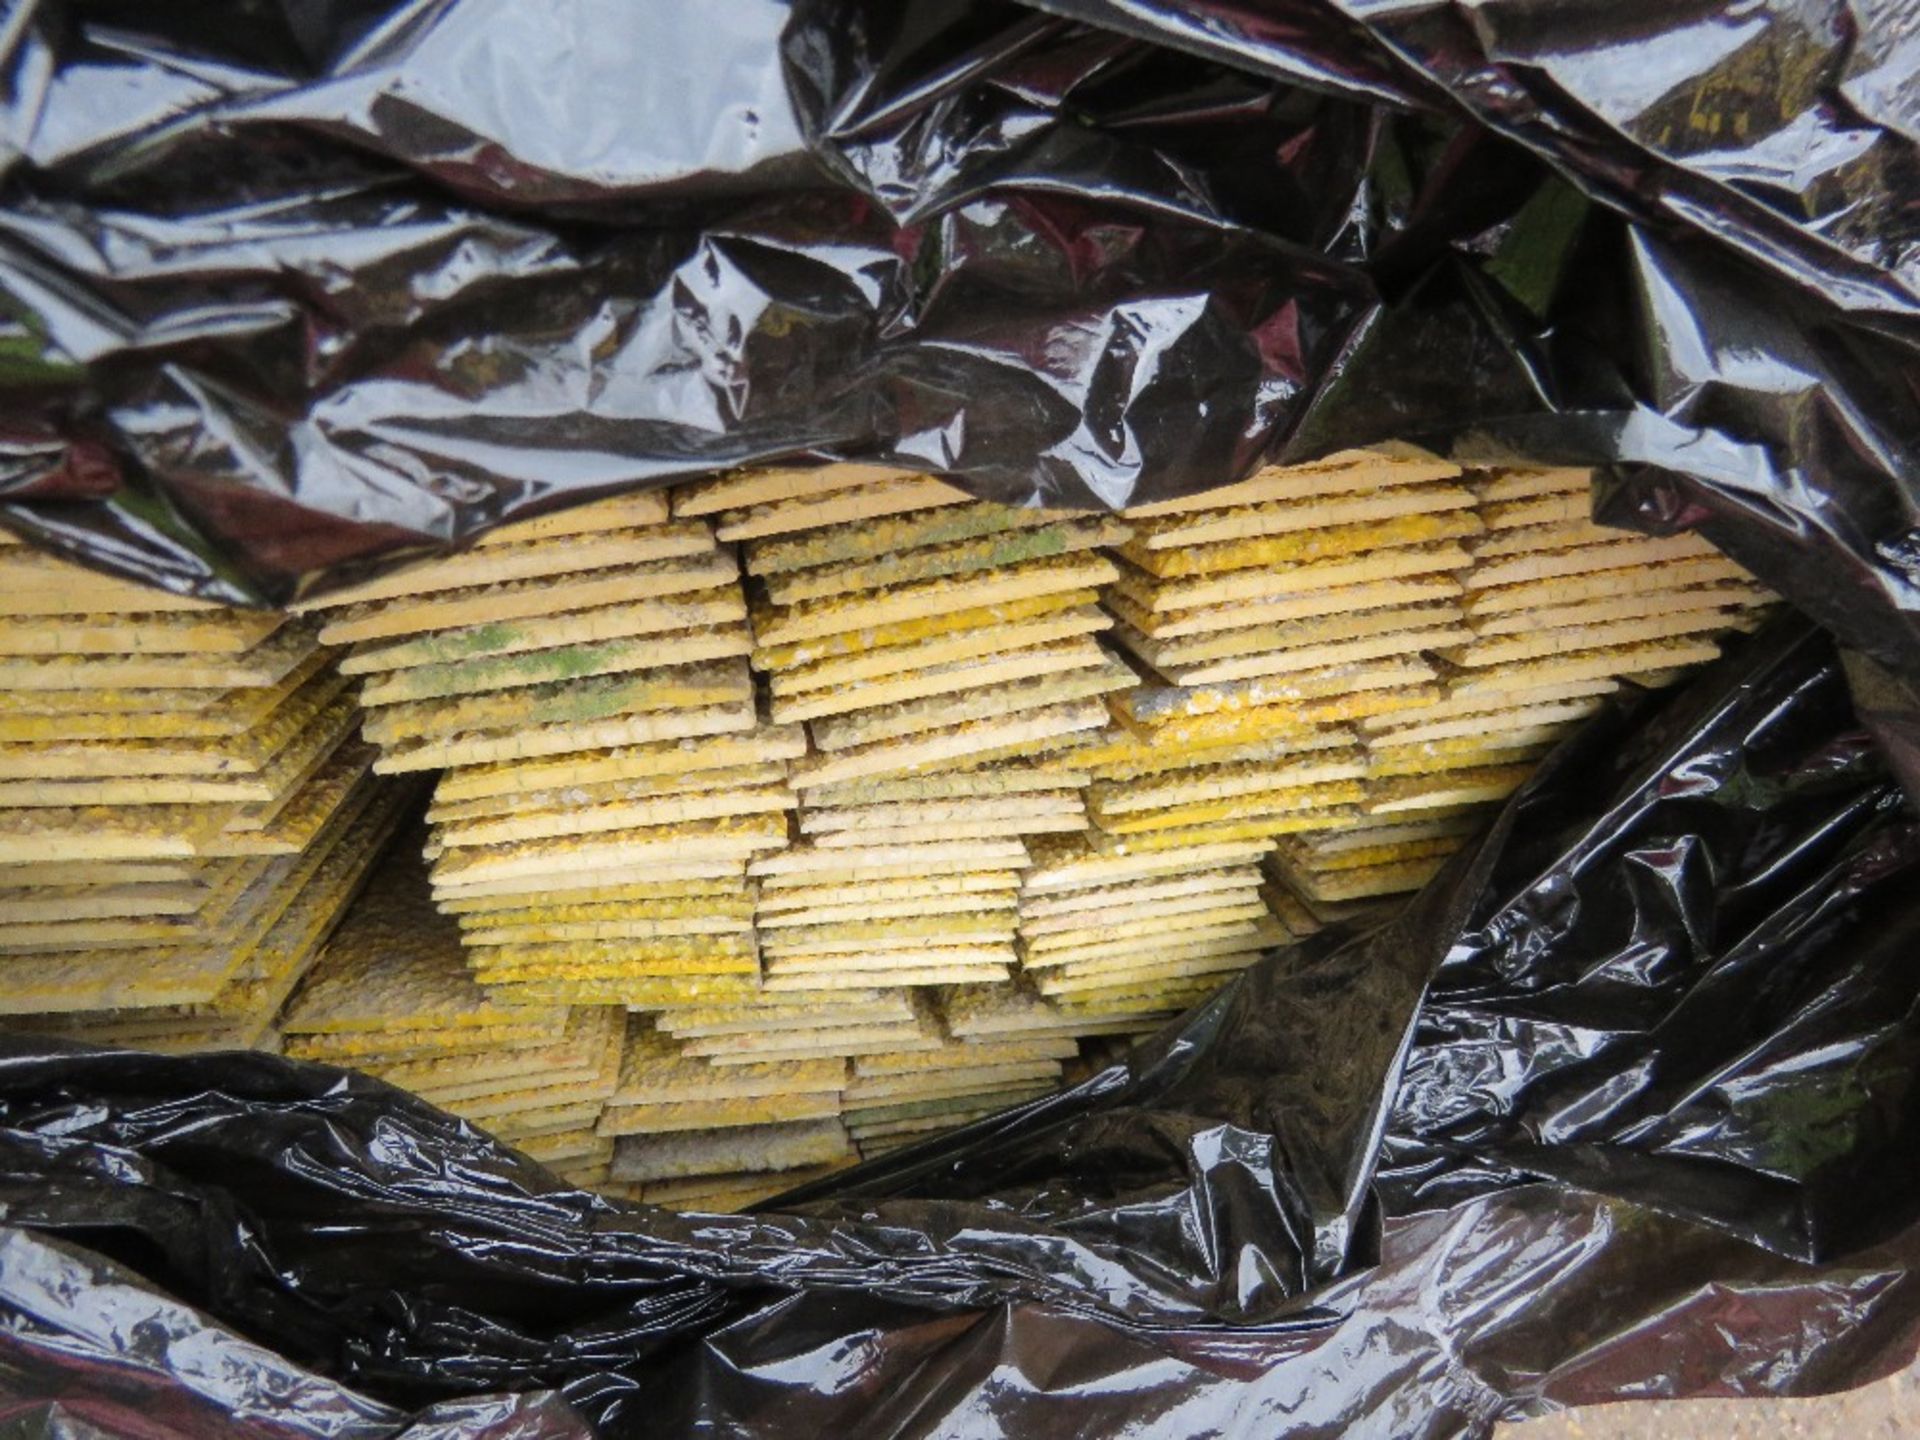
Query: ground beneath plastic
(1891, 1407)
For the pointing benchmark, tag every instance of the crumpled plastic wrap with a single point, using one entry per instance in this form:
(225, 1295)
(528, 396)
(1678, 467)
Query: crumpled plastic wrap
(90, 1350)
(293, 290)
(1623, 1104)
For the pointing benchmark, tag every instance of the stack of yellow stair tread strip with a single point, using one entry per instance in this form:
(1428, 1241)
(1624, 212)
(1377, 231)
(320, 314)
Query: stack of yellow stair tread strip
(921, 638)
(810, 811)
(185, 809)
(581, 679)
(1559, 612)
(392, 996)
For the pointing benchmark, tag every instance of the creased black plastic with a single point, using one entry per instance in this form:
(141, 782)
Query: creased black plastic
(91, 1351)
(1623, 1104)
(292, 290)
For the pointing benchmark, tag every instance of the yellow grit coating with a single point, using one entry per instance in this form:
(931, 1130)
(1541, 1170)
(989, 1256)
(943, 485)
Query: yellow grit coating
(694, 613)
(1303, 547)
(511, 560)
(759, 745)
(902, 660)
(1535, 644)
(992, 552)
(537, 742)
(1310, 633)
(1643, 661)
(527, 599)
(785, 625)
(1292, 584)
(1101, 676)
(46, 716)
(1224, 782)
(204, 632)
(675, 1116)
(733, 838)
(1621, 550)
(1150, 707)
(878, 497)
(1224, 831)
(1281, 517)
(998, 736)
(955, 678)
(1278, 613)
(591, 517)
(1344, 472)
(765, 485)
(1729, 596)
(665, 811)
(1292, 662)
(1566, 508)
(246, 754)
(847, 546)
(897, 645)
(265, 665)
(1249, 805)
(702, 892)
(603, 697)
(1521, 483)
(1625, 580)
(293, 764)
(557, 664)
(35, 582)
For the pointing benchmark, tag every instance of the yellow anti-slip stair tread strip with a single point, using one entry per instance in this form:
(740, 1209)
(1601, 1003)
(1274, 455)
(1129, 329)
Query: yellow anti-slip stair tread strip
(524, 668)
(559, 702)
(892, 495)
(1318, 513)
(248, 753)
(565, 799)
(958, 678)
(1540, 594)
(109, 832)
(1098, 674)
(529, 599)
(528, 559)
(1304, 547)
(1063, 623)
(846, 546)
(1306, 586)
(695, 612)
(744, 744)
(187, 974)
(761, 485)
(36, 582)
(216, 632)
(900, 645)
(616, 512)
(1006, 810)
(1310, 632)
(565, 737)
(264, 665)
(1270, 616)
(991, 553)
(144, 714)
(928, 599)
(734, 837)
(290, 767)
(1344, 472)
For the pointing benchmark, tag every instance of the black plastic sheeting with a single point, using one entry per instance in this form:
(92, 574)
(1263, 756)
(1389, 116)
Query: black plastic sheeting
(1624, 1104)
(290, 288)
